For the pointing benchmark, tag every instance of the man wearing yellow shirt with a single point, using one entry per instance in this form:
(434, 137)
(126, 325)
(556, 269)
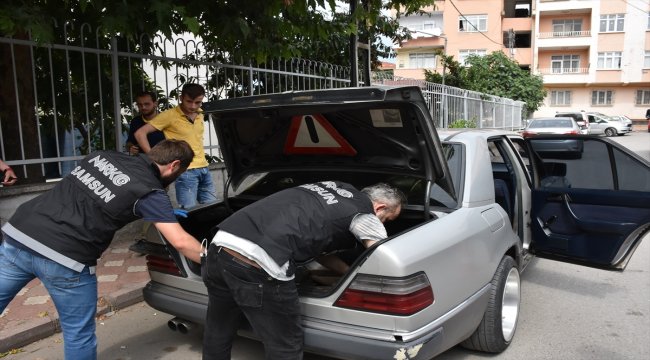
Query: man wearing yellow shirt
(185, 122)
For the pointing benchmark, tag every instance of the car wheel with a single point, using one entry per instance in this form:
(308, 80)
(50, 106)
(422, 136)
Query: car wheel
(496, 330)
(610, 132)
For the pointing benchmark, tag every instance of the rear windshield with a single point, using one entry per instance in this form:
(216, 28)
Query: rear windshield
(551, 123)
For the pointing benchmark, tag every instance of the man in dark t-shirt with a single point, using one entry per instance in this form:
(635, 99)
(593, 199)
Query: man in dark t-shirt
(147, 104)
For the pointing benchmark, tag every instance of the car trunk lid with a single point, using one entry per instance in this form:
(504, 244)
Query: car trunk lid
(374, 129)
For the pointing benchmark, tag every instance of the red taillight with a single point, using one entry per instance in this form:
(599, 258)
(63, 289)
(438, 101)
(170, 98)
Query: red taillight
(526, 134)
(572, 132)
(397, 296)
(165, 265)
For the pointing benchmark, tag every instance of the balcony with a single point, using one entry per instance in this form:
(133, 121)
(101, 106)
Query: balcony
(564, 76)
(564, 40)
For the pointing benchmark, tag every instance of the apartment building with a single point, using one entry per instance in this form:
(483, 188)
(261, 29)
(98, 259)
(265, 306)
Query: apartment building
(593, 55)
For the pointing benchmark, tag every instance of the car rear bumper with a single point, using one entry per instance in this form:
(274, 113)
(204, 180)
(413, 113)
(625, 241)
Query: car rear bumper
(184, 304)
(341, 340)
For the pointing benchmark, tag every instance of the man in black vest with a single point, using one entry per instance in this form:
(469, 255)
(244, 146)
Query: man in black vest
(59, 235)
(249, 267)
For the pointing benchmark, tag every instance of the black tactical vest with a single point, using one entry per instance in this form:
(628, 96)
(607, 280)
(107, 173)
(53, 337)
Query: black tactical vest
(79, 216)
(302, 222)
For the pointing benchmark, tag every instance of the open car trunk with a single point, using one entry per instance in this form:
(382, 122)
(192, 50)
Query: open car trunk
(311, 278)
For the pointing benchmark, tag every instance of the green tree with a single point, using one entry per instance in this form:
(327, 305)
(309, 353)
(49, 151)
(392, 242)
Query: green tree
(499, 75)
(245, 29)
(454, 71)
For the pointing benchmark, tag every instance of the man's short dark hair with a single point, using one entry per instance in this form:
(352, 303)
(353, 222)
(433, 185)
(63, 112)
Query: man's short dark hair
(193, 90)
(153, 95)
(167, 151)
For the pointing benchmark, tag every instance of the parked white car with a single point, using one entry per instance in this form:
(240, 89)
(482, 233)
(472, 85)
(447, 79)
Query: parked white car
(622, 118)
(480, 204)
(606, 125)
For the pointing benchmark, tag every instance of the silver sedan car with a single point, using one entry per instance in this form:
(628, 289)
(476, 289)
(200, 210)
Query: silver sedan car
(480, 205)
(552, 125)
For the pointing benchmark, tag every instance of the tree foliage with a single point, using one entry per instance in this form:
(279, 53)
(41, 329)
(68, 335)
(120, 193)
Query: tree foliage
(494, 74)
(454, 71)
(248, 28)
(243, 29)
(499, 75)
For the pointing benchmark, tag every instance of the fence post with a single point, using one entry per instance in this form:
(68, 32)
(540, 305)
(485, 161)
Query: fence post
(250, 78)
(117, 108)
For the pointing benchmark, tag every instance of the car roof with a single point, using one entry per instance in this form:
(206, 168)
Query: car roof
(552, 118)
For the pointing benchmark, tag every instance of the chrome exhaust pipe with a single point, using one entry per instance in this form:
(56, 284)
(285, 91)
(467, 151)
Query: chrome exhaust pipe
(173, 324)
(185, 327)
(181, 325)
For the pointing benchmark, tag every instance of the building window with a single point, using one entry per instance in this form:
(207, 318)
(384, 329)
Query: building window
(422, 60)
(463, 54)
(612, 22)
(642, 97)
(646, 60)
(472, 23)
(601, 97)
(560, 98)
(561, 64)
(567, 27)
(609, 60)
(426, 26)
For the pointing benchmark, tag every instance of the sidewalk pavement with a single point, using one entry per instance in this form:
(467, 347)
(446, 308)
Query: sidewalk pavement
(121, 275)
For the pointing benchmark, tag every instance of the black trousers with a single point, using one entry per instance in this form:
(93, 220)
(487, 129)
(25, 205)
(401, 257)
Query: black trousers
(271, 306)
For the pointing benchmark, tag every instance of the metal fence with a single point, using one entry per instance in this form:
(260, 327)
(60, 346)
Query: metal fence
(62, 100)
(454, 107)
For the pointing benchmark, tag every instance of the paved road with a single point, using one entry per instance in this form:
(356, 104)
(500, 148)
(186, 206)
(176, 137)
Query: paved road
(638, 141)
(567, 312)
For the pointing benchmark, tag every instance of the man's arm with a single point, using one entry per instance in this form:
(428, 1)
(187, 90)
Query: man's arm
(185, 243)
(334, 263)
(141, 137)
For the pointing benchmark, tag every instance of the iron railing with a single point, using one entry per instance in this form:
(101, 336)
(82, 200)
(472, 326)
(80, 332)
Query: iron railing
(61, 101)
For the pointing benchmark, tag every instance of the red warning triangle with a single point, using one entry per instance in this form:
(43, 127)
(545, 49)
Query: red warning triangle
(314, 135)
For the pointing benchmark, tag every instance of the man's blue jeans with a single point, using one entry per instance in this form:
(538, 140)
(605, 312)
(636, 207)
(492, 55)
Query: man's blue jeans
(271, 306)
(195, 185)
(74, 295)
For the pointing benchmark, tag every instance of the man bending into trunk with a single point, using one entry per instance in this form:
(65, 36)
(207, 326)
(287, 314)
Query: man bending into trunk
(250, 264)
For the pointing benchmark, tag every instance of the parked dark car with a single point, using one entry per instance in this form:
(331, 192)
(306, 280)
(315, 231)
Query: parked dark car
(579, 116)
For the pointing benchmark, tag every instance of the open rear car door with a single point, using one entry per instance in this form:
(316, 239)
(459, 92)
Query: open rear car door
(591, 201)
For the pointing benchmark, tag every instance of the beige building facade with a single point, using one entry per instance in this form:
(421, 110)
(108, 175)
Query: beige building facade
(594, 55)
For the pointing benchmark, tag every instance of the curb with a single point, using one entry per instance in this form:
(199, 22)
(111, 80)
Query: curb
(41, 328)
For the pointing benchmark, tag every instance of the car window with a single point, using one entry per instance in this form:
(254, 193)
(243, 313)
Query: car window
(575, 163)
(522, 150)
(631, 173)
(454, 155)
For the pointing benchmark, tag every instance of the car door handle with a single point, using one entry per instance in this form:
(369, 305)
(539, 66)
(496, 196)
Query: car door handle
(549, 221)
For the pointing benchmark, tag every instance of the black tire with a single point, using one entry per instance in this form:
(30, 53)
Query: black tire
(493, 334)
(610, 132)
